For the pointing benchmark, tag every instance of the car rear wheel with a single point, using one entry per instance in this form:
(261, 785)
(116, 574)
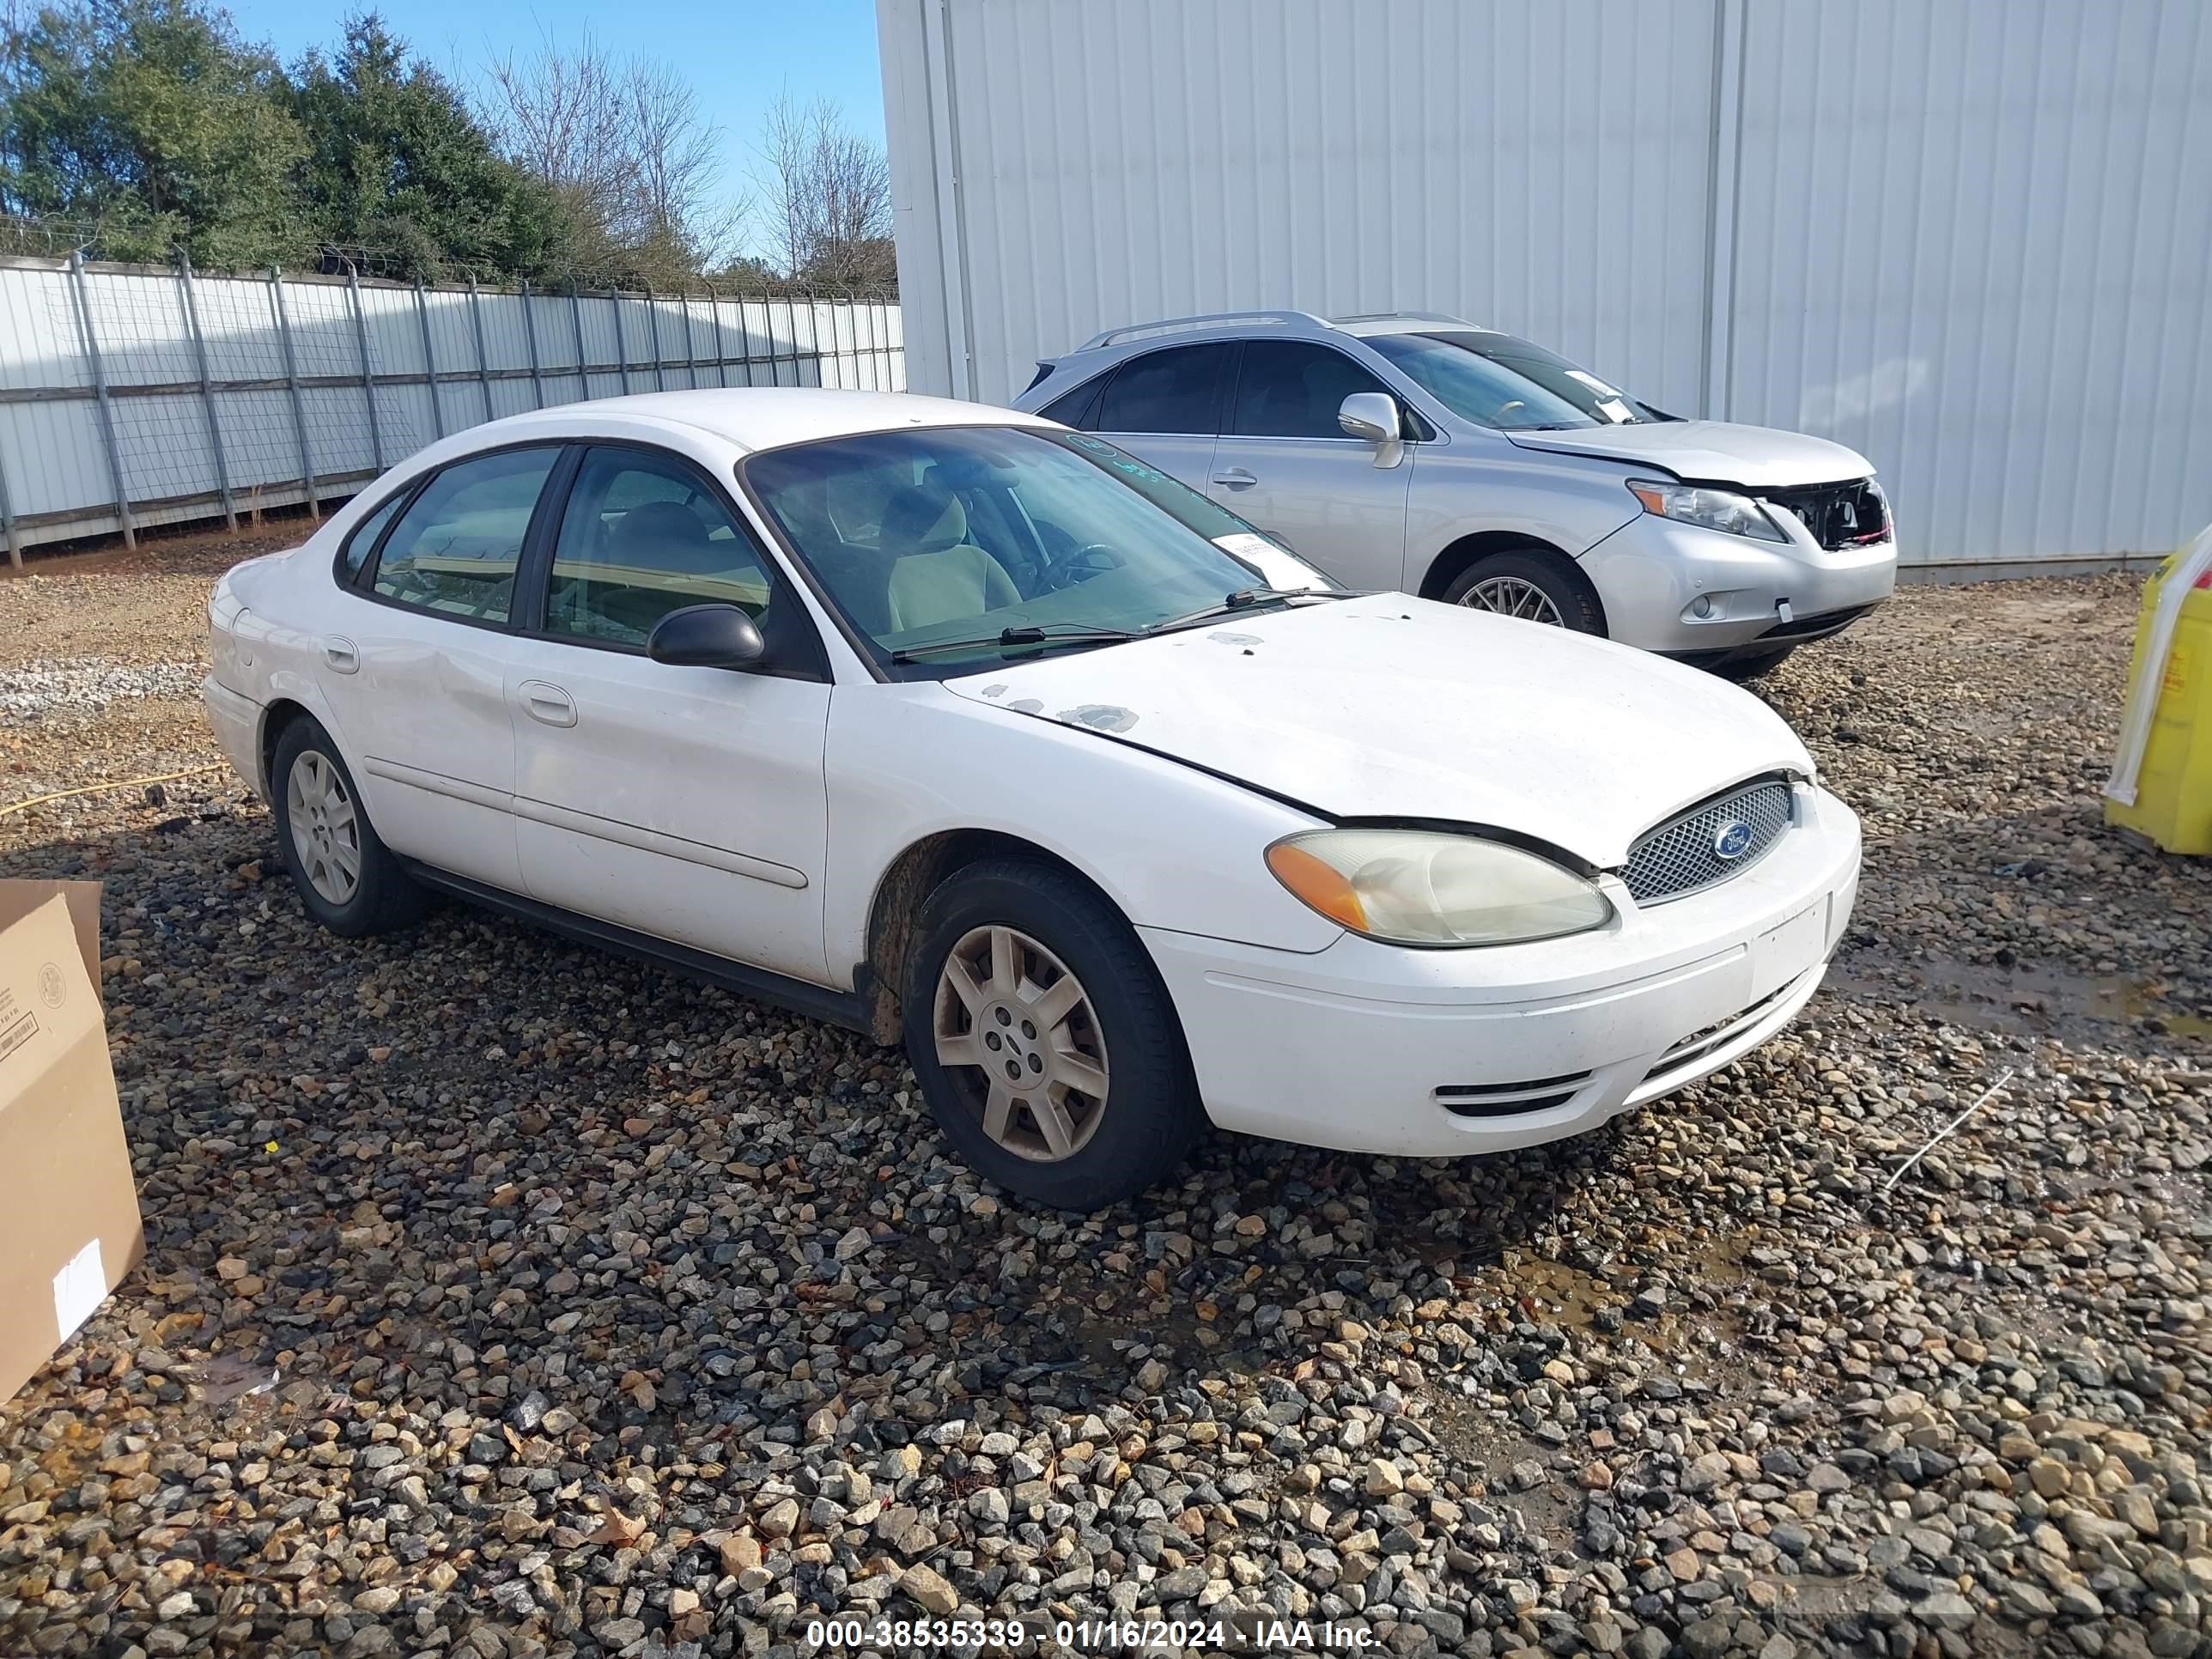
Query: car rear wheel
(1045, 1044)
(347, 876)
(1528, 584)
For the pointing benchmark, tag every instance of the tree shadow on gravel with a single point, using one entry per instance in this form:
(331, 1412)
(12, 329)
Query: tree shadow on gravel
(484, 1087)
(470, 1115)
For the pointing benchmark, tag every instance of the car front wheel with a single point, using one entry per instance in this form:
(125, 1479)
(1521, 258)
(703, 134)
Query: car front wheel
(1530, 585)
(1045, 1044)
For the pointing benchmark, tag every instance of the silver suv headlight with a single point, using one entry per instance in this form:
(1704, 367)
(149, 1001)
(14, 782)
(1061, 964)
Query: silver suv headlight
(1427, 887)
(1713, 509)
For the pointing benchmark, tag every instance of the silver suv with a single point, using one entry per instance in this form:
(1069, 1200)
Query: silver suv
(1426, 453)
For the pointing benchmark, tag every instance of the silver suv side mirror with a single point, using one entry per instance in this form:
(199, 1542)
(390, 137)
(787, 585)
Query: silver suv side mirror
(1372, 417)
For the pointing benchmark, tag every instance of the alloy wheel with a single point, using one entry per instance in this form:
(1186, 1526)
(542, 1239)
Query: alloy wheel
(1016, 1031)
(326, 829)
(1513, 596)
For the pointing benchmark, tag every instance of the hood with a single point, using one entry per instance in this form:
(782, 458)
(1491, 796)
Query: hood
(1386, 706)
(1711, 451)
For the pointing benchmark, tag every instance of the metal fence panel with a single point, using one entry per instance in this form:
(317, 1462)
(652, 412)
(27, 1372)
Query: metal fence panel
(201, 396)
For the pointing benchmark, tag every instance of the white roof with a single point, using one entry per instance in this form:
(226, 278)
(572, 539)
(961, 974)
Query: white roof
(756, 417)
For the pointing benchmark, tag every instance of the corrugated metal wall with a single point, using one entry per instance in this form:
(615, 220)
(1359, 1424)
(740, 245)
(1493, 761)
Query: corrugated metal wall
(259, 395)
(1970, 237)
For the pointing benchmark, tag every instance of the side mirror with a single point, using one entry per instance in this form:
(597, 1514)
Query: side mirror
(1371, 417)
(706, 636)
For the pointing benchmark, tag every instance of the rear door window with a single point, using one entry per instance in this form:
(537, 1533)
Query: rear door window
(1080, 408)
(455, 550)
(363, 542)
(1174, 391)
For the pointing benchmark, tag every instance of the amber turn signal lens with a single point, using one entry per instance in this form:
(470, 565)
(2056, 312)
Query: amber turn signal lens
(1318, 883)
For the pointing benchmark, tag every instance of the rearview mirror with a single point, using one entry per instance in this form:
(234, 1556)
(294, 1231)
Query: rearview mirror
(1371, 417)
(706, 636)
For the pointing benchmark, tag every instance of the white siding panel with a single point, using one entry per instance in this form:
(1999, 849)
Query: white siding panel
(1969, 238)
(1973, 245)
(1538, 167)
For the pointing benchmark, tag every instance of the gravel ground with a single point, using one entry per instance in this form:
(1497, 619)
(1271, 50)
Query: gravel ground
(503, 1298)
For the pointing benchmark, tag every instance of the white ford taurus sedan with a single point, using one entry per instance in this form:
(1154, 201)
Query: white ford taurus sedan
(965, 730)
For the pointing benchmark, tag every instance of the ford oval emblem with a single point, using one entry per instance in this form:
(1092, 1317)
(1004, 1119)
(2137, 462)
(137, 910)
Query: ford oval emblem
(1732, 840)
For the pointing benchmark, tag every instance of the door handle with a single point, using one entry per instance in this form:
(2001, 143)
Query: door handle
(1236, 477)
(342, 655)
(547, 703)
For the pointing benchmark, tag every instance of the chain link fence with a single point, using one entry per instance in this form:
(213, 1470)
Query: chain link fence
(132, 396)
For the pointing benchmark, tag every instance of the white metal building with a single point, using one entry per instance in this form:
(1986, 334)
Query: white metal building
(1971, 239)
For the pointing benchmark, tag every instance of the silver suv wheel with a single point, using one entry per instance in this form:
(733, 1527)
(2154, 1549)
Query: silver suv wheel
(1513, 596)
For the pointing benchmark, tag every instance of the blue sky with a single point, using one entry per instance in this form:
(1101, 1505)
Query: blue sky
(740, 54)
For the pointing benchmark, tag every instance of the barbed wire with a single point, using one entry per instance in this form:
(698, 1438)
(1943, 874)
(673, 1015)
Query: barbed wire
(38, 237)
(33, 236)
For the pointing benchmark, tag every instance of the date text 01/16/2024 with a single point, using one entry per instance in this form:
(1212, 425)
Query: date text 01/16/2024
(1242, 1633)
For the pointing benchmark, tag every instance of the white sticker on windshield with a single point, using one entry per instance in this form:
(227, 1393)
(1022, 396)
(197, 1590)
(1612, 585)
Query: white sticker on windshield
(1616, 411)
(1278, 568)
(1595, 384)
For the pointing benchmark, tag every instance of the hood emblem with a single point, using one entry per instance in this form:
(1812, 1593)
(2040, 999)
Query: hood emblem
(1732, 840)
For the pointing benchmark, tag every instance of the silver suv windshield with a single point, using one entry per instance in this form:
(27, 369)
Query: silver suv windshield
(949, 548)
(1499, 380)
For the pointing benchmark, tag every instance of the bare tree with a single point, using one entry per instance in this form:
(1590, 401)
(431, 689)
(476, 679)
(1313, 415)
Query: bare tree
(625, 142)
(675, 158)
(561, 115)
(828, 197)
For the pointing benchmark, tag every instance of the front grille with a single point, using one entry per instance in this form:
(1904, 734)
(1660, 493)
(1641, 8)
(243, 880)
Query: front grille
(1839, 516)
(1683, 856)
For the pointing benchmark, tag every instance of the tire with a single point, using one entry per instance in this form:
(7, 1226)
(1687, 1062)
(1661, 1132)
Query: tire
(1743, 669)
(1502, 582)
(311, 791)
(1112, 1142)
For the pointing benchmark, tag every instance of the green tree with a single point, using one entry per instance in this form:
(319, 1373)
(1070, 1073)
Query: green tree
(396, 162)
(152, 120)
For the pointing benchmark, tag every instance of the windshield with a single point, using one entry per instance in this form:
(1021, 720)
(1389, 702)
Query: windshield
(925, 537)
(1498, 381)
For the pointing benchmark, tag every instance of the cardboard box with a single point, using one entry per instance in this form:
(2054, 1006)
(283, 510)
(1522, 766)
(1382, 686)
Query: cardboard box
(68, 1209)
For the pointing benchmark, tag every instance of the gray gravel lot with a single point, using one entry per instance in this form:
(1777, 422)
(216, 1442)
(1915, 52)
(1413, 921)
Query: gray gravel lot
(503, 1298)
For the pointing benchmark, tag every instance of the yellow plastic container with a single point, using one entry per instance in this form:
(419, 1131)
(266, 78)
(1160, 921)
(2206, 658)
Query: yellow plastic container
(2173, 789)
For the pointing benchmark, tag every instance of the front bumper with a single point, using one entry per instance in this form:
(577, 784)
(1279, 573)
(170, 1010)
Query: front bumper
(1652, 571)
(1372, 1047)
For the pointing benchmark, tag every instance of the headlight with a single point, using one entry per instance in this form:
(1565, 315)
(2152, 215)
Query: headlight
(1715, 509)
(1423, 887)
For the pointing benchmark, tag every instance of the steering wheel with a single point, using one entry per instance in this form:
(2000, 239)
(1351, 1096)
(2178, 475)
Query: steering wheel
(1092, 559)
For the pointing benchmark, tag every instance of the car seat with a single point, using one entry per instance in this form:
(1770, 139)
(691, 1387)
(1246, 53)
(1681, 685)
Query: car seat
(936, 574)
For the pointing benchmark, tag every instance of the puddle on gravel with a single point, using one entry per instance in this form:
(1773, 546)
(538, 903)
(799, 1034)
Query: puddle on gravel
(2036, 1001)
(1698, 1332)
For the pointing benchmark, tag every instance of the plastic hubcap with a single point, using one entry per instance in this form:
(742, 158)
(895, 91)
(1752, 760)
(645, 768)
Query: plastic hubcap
(326, 829)
(1016, 1032)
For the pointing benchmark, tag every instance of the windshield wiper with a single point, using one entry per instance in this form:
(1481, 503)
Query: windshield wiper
(1009, 637)
(1242, 599)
